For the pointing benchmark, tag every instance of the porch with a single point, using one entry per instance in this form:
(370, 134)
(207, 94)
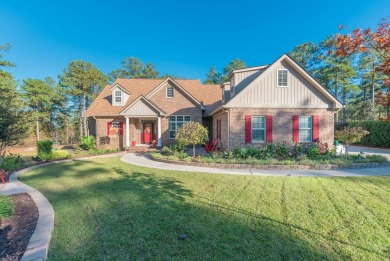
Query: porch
(143, 123)
(142, 131)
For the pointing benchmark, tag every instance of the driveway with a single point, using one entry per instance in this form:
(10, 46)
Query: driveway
(145, 161)
(368, 150)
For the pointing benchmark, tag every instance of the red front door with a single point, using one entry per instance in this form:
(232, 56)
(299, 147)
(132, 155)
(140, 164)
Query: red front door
(148, 132)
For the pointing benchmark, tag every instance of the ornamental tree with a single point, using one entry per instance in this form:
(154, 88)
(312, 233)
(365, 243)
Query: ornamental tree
(192, 133)
(350, 135)
(365, 41)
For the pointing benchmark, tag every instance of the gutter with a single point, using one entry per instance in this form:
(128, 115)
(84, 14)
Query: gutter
(228, 143)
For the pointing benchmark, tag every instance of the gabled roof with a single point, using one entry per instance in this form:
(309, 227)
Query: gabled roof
(298, 69)
(247, 69)
(116, 85)
(148, 102)
(178, 86)
(206, 95)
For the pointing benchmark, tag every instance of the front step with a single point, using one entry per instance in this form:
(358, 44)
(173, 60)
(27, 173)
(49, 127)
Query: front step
(142, 149)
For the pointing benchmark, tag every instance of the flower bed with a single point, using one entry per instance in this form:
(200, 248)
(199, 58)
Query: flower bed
(198, 163)
(273, 156)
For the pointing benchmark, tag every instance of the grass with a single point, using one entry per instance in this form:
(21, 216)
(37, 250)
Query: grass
(109, 210)
(6, 207)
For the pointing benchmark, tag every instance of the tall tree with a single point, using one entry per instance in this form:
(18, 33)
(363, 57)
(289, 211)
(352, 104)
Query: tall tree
(307, 55)
(81, 80)
(45, 100)
(36, 94)
(371, 80)
(13, 118)
(363, 41)
(134, 68)
(336, 73)
(213, 77)
(235, 64)
(4, 63)
(150, 72)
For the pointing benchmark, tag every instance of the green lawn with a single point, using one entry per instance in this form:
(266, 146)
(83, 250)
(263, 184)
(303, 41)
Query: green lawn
(6, 207)
(107, 209)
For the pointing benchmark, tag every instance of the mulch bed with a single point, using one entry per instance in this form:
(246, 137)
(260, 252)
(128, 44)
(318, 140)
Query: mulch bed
(15, 232)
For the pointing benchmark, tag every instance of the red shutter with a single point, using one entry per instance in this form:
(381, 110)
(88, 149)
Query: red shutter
(121, 128)
(268, 125)
(248, 129)
(295, 128)
(109, 124)
(316, 128)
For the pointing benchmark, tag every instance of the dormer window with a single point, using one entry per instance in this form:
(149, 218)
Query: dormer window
(169, 92)
(282, 78)
(118, 96)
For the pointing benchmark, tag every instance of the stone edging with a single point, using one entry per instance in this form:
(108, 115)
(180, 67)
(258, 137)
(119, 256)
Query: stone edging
(273, 167)
(38, 246)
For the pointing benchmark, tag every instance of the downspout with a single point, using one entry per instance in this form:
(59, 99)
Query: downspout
(228, 144)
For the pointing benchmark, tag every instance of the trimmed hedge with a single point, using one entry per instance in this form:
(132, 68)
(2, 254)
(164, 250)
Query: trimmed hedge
(45, 149)
(379, 132)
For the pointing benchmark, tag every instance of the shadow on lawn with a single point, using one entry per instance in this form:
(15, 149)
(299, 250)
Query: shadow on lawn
(137, 215)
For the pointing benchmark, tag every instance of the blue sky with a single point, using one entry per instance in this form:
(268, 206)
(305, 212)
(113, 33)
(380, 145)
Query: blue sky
(179, 37)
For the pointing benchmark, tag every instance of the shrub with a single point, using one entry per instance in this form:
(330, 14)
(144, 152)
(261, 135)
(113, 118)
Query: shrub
(181, 155)
(88, 143)
(166, 151)
(45, 149)
(350, 135)
(176, 147)
(9, 162)
(313, 152)
(281, 151)
(379, 132)
(60, 154)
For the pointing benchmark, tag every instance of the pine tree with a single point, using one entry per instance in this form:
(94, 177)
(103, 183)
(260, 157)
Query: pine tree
(213, 77)
(235, 64)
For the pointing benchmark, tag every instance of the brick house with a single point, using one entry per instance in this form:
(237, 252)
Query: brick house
(279, 102)
(146, 111)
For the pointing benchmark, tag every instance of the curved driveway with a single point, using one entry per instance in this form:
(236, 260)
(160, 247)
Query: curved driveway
(145, 161)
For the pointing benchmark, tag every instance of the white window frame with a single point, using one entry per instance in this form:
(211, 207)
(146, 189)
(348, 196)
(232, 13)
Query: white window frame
(116, 96)
(265, 129)
(115, 123)
(310, 128)
(277, 78)
(185, 119)
(166, 92)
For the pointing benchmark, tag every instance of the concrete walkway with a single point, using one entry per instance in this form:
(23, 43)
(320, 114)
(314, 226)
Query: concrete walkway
(38, 245)
(368, 150)
(145, 161)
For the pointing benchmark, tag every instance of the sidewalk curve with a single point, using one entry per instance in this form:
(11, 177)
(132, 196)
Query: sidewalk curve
(146, 161)
(38, 245)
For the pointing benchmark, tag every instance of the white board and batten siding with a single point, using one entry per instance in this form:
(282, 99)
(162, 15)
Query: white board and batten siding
(140, 108)
(241, 79)
(263, 92)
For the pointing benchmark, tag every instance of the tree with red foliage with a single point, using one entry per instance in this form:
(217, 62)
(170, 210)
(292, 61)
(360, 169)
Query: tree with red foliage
(366, 40)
